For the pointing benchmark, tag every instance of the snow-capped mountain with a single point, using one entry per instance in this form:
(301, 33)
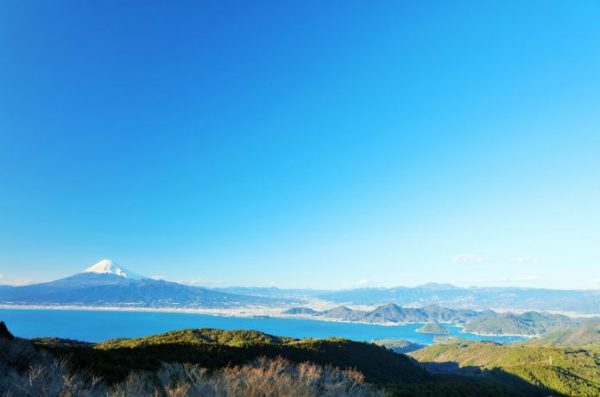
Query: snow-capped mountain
(108, 266)
(107, 283)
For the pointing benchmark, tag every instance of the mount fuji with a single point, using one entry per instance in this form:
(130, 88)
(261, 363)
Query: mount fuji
(108, 266)
(108, 284)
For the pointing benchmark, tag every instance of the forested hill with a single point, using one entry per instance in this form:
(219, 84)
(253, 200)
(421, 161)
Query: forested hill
(557, 370)
(209, 362)
(483, 322)
(587, 334)
(211, 348)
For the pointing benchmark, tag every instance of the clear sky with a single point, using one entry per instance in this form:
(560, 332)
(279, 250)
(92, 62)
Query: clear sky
(302, 144)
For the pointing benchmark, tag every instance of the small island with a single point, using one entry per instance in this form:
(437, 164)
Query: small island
(433, 328)
(398, 345)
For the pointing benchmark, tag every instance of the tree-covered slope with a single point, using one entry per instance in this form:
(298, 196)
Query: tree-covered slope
(528, 323)
(210, 348)
(205, 362)
(573, 372)
(483, 322)
(587, 334)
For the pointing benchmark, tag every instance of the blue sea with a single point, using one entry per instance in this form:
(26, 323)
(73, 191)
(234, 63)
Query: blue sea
(95, 326)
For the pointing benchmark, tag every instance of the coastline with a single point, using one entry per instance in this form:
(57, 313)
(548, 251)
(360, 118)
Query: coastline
(240, 312)
(493, 335)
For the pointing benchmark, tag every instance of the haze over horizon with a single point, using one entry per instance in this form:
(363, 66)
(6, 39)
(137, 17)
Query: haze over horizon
(308, 145)
(101, 267)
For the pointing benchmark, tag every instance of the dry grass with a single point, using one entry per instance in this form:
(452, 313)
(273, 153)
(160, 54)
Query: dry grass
(27, 372)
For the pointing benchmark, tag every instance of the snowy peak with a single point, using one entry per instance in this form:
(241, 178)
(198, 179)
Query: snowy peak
(108, 266)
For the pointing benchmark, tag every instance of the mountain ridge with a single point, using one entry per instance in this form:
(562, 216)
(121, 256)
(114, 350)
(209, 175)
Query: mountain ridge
(107, 284)
(582, 301)
(147, 292)
(482, 322)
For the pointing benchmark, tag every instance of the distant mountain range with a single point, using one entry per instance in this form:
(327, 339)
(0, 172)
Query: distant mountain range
(109, 284)
(581, 301)
(482, 322)
(447, 295)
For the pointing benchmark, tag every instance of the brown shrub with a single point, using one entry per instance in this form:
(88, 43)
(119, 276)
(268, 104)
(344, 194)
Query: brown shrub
(26, 372)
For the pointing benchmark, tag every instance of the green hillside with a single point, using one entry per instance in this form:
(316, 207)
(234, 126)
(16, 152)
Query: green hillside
(210, 348)
(482, 322)
(556, 369)
(209, 362)
(528, 323)
(587, 334)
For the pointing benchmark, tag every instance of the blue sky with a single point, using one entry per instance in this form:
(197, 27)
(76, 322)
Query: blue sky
(302, 144)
